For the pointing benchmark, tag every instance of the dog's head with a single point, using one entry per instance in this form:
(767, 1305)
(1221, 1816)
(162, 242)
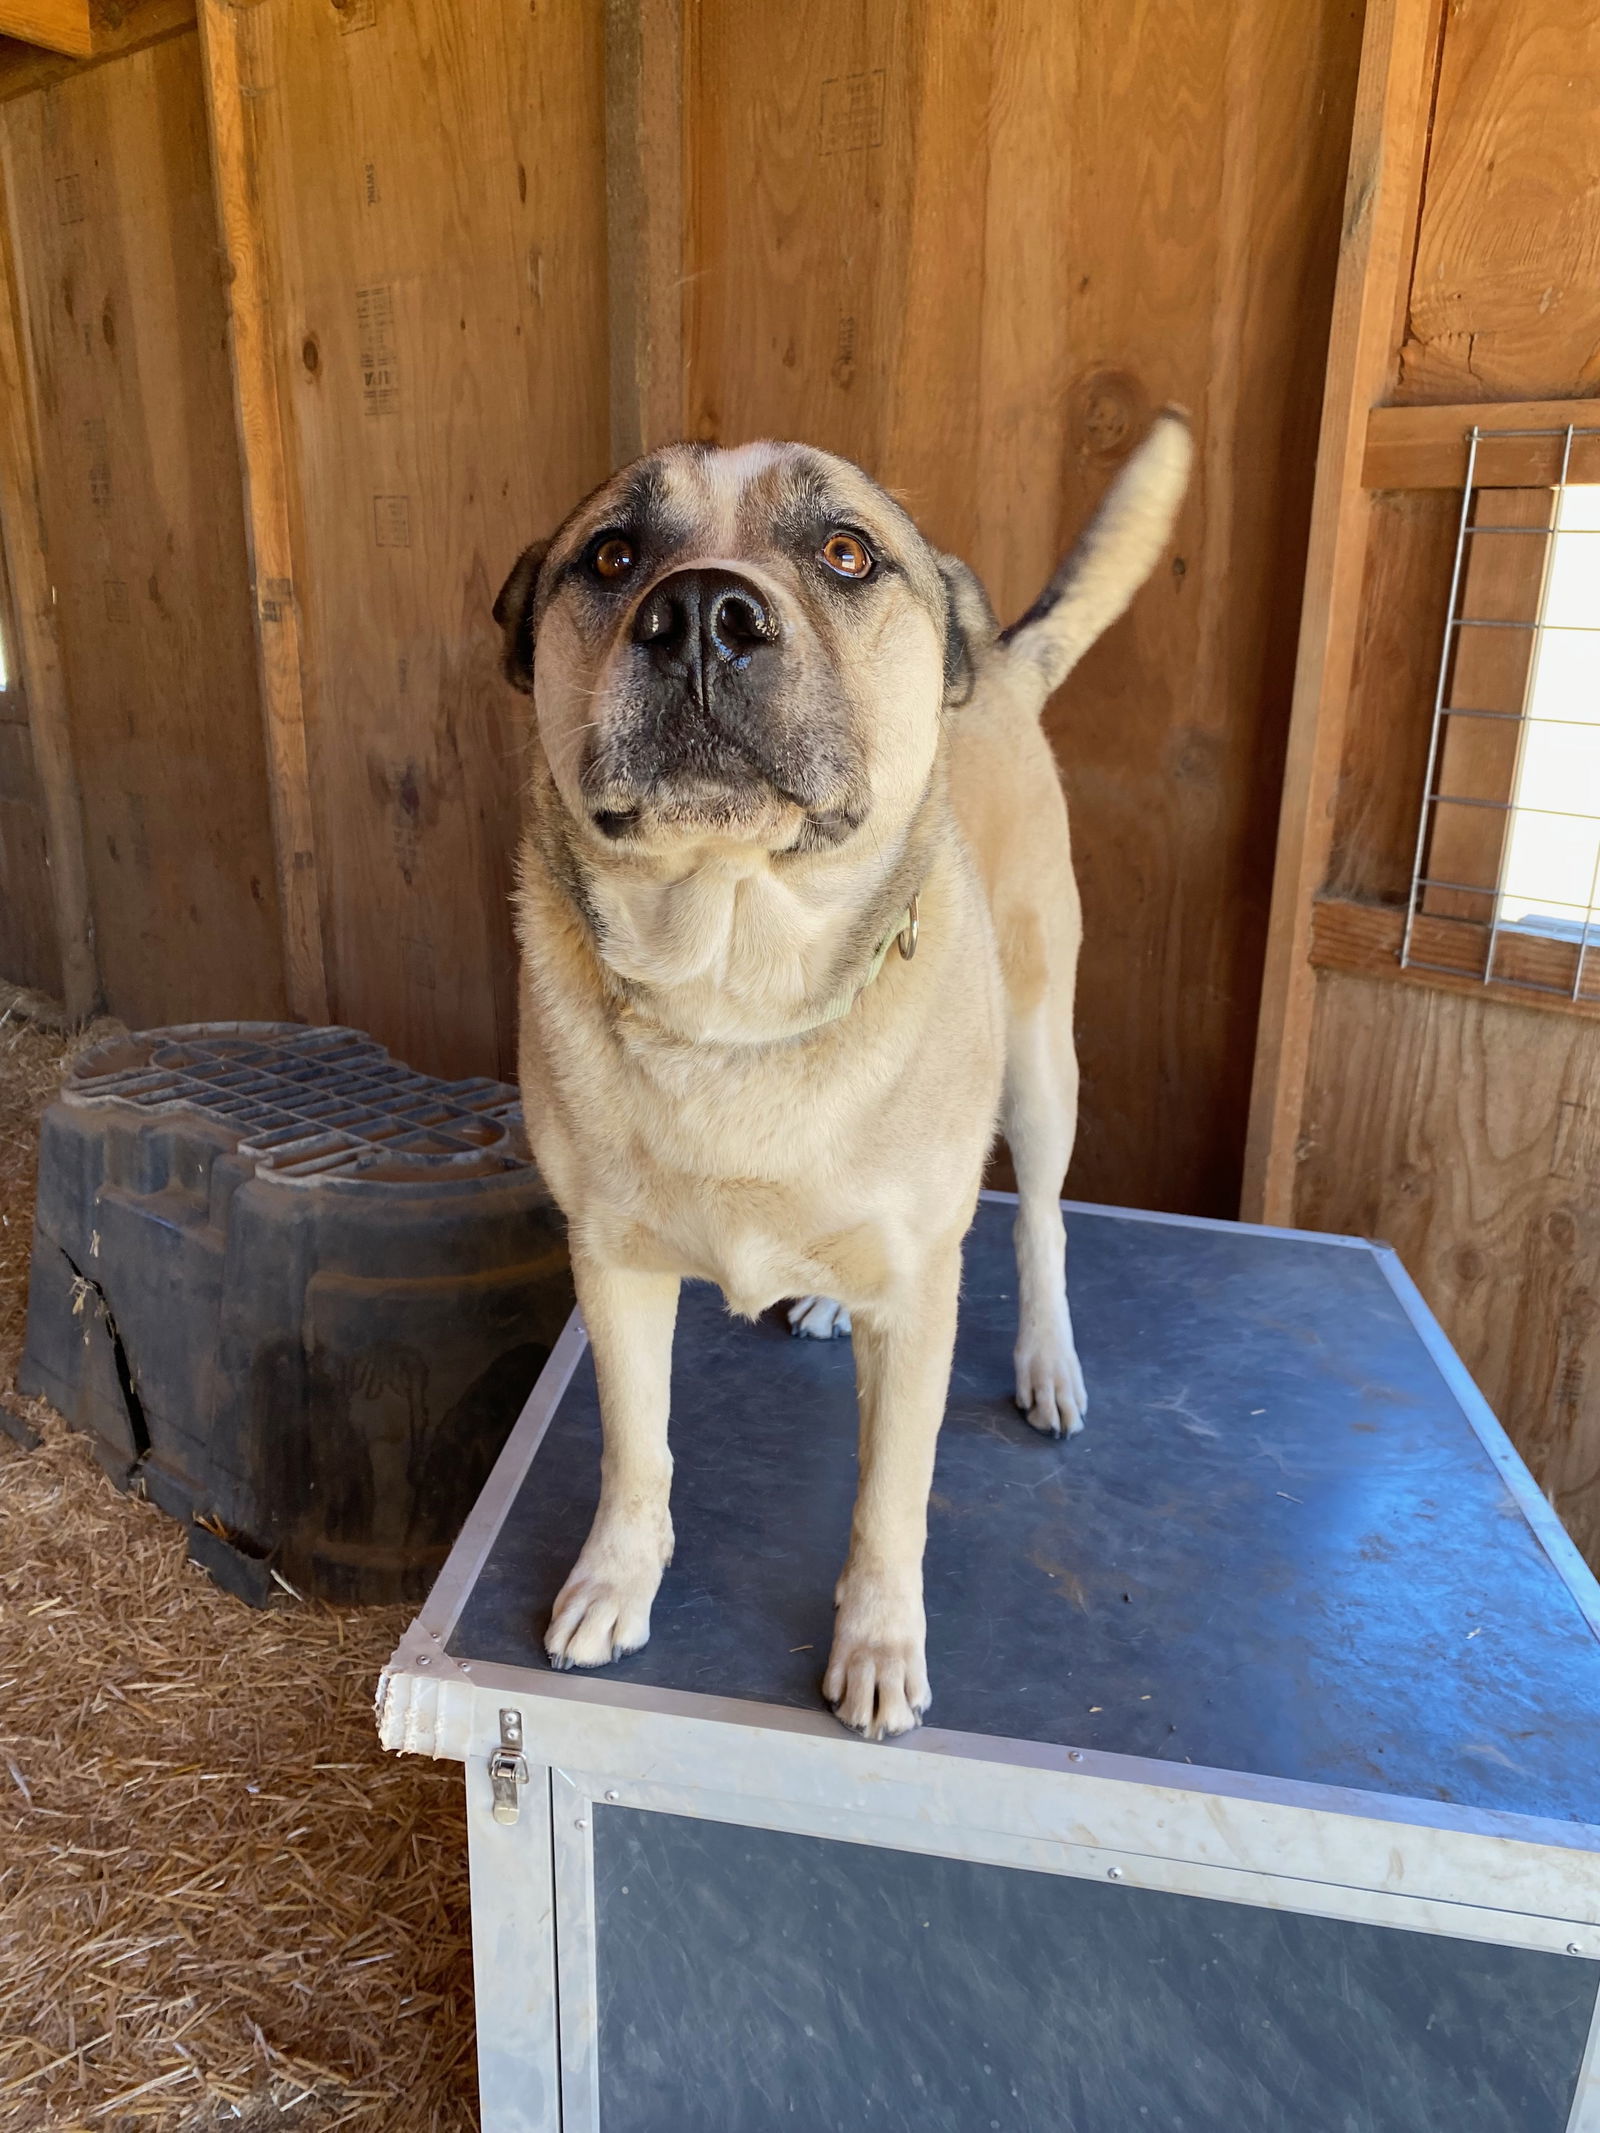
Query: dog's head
(746, 647)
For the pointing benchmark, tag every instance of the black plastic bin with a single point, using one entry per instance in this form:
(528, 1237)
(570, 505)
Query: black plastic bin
(294, 1289)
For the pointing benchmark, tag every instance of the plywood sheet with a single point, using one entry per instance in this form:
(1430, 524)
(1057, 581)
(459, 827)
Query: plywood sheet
(1466, 1133)
(974, 248)
(431, 189)
(1505, 292)
(112, 223)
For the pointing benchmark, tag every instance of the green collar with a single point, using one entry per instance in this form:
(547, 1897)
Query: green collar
(902, 935)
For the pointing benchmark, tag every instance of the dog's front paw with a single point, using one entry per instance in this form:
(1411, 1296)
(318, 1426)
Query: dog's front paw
(603, 1610)
(877, 1678)
(819, 1318)
(1050, 1388)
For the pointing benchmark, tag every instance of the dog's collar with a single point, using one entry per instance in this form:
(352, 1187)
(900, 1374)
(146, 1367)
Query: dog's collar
(902, 935)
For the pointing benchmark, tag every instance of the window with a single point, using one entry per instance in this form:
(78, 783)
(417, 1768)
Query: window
(1553, 839)
(1506, 881)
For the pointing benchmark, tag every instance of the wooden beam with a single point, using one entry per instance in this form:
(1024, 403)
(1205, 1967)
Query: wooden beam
(117, 26)
(1389, 140)
(644, 223)
(57, 25)
(1426, 447)
(266, 486)
(38, 646)
(1364, 941)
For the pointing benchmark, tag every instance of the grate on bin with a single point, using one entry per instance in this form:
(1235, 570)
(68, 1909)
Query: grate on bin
(311, 1106)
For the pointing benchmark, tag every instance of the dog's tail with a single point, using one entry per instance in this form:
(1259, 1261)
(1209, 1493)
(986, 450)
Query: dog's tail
(1111, 559)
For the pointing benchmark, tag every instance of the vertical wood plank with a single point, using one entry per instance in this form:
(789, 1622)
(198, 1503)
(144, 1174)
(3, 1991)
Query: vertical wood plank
(37, 643)
(644, 222)
(274, 596)
(1388, 143)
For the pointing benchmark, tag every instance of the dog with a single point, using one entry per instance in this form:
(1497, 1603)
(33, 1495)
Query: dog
(798, 928)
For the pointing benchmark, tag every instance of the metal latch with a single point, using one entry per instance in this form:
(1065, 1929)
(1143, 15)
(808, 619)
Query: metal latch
(508, 1768)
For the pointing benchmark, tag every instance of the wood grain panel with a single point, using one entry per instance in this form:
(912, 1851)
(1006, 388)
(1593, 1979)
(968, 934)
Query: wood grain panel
(1466, 1133)
(430, 186)
(974, 248)
(1505, 290)
(111, 199)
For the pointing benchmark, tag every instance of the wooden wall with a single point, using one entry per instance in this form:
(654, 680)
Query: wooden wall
(1451, 1119)
(429, 188)
(108, 182)
(974, 248)
(471, 259)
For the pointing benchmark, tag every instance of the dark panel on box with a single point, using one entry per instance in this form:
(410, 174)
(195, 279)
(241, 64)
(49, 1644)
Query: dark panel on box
(298, 1290)
(1279, 1546)
(753, 1980)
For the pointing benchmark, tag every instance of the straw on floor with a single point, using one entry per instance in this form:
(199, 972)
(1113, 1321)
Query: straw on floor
(221, 1904)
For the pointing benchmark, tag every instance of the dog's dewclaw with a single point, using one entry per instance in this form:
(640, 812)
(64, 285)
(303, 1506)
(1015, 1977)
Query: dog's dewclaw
(1111, 558)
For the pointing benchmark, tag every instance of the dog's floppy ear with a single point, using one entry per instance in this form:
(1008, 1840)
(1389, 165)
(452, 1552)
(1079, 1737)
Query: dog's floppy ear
(513, 610)
(969, 627)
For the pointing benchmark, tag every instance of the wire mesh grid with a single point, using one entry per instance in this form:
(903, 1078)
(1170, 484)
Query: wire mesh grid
(310, 1105)
(1516, 729)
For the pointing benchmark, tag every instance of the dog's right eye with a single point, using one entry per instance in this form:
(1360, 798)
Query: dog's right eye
(614, 558)
(847, 555)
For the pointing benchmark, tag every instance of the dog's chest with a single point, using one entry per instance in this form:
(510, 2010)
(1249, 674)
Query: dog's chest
(727, 1236)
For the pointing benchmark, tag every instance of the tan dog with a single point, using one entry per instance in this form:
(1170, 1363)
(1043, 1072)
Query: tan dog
(798, 921)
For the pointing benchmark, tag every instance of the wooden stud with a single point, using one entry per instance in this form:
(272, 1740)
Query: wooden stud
(1426, 447)
(57, 25)
(1388, 144)
(119, 26)
(265, 474)
(1532, 971)
(644, 222)
(38, 645)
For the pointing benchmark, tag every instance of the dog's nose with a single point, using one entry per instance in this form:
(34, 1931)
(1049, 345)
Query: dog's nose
(696, 620)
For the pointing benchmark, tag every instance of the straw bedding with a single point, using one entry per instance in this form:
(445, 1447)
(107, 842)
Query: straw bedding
(221, 1905)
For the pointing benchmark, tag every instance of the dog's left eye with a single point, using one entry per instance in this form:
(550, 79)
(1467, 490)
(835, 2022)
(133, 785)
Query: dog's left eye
(614, 558)
(847, 555)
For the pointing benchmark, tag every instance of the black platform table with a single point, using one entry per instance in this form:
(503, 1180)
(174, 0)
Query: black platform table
(1258, 1790)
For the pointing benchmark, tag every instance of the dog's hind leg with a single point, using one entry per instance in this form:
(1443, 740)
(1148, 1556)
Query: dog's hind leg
(1039, 1118)
(603, 1610)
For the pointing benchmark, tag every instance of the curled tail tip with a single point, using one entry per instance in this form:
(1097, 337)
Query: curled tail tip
(1113, 555)
(1170, 438)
